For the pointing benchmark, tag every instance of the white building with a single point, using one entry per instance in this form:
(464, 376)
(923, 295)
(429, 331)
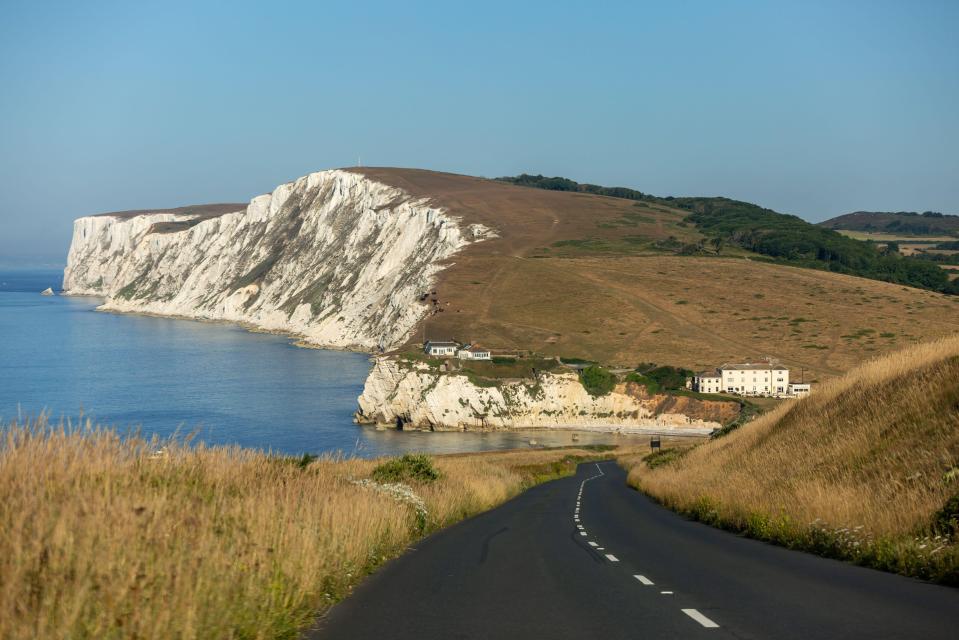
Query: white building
(755, 379)
(708, 382)
(442, 349)
(472, 352)
(749, 379)
(799, 389)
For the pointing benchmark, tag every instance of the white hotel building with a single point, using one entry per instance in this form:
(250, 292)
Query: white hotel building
(748, 379)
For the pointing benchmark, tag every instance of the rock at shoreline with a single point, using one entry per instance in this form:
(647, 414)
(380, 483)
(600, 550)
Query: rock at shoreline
(47, 292)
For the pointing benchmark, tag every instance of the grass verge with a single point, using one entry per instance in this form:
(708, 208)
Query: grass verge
(120, 537)
(866, 470)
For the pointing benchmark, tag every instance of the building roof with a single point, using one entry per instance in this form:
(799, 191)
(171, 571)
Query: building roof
(753, 366)
(474, 349)
(708, 374)
(440, 343)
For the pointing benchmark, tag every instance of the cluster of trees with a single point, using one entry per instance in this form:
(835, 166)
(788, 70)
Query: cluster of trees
(899, 222)
(565, 184)
(941, 258)
(912, 214)
(666, 378)
(914, 228)
(599, 381)
(792, 240)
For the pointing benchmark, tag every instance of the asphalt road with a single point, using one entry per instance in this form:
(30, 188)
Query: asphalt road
(526, 570)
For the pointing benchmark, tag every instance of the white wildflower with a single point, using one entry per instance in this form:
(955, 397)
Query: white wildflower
(397, 491)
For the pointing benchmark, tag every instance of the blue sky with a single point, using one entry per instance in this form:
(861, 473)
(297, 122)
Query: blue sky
(812, 108)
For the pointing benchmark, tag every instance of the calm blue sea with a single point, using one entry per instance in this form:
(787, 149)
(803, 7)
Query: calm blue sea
(163, 376)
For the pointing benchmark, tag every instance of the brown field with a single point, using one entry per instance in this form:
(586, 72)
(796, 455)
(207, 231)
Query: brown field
(859, 470)
(885, 236)
(104, 538)
(611, 295)
(908, 245)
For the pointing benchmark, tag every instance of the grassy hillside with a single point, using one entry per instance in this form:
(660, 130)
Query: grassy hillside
(785, 238)
(608, 279)
(105, 538)
(866, 469)
(901, 223)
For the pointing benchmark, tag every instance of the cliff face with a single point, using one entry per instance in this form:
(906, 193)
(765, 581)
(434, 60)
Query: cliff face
(413, 396)
(334, 257)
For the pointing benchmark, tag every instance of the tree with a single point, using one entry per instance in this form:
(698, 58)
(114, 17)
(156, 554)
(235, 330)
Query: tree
(597, 380)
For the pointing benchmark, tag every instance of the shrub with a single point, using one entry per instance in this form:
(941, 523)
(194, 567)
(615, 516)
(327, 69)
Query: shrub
(669, 378)
(946, 520)
(412, 467)
(663, 457)
(651, 385)
(503, 360)
(597, 380)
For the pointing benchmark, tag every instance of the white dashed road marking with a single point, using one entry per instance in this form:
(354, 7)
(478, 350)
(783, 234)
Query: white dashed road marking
(692, 613)
(700, 618)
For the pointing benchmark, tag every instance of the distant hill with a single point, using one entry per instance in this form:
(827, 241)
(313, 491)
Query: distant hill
(905, 223)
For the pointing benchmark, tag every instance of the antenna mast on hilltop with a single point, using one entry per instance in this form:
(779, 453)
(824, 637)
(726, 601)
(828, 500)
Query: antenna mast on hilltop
(359, 161)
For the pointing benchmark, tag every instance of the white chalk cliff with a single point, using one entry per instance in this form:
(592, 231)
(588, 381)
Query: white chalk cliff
(410, 395)
(334, 258)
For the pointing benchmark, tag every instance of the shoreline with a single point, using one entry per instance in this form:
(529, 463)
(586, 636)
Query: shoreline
(692, 432)
(296, 339)
(300, 341)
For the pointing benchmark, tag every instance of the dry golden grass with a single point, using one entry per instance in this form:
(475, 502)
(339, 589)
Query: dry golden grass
(695, 312)
(101, 538)
(858, 470)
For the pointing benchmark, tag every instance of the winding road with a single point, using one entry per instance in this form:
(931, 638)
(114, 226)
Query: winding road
(588, 557)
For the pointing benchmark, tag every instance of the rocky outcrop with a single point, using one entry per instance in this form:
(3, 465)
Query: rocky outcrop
(47, 292)
(411, 395)
(334, 258)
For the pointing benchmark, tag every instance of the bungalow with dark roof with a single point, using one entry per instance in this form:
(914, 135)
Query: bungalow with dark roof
(440, 348)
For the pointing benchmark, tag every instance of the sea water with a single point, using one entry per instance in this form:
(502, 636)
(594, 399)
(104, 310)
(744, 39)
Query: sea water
(218, 382)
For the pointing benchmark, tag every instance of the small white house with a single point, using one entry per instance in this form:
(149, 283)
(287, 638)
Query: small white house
(799, 389)
(472, 352)
(442, 349)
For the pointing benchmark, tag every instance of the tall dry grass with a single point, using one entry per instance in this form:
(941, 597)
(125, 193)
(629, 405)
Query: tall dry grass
(100, 537)
(859, 470)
